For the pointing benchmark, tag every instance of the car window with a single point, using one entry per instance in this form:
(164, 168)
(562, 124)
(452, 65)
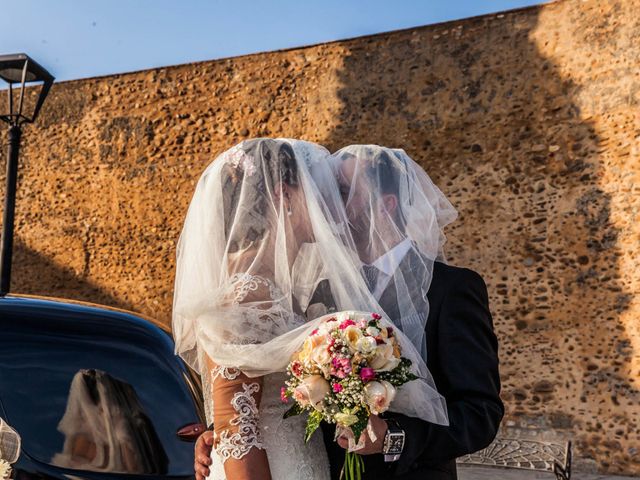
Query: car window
(92, 392)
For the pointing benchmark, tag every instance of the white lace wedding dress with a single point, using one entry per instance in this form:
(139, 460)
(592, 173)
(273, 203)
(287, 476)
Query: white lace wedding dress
(290, 458)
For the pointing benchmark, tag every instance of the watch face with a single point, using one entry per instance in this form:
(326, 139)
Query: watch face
(395, 443)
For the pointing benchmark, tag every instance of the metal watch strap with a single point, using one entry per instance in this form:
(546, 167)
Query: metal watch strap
(393, 441)
(391, 458)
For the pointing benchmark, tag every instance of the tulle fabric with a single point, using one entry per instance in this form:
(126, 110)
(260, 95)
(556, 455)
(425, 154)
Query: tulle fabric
(106, 429)
(252, 251)
(265, 230)
(397, 217)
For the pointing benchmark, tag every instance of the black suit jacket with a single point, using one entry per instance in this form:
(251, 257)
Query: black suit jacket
(462, 356)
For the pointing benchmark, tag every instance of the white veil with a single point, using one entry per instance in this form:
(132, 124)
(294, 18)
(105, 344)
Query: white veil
(262, 213)
(396, 216)
(264, 253)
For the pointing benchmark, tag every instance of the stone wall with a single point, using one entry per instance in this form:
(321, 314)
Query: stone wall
(528, 120)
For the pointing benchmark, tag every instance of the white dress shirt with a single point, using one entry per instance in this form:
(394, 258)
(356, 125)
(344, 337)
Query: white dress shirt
(387, 264)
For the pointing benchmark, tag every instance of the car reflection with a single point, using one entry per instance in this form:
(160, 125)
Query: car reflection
(105, 428)
(94, 393)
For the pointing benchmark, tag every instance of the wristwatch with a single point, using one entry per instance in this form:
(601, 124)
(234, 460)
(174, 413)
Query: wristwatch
(393, 441)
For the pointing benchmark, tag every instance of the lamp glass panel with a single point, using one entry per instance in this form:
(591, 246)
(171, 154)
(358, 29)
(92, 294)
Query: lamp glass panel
(31, 95)
(14, 75)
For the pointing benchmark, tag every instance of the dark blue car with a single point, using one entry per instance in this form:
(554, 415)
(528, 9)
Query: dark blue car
(95, 393)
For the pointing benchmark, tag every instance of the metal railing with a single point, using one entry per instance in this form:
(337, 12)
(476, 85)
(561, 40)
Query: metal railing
(525, 455)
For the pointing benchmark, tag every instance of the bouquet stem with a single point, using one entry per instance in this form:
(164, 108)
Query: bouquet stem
(353, 467)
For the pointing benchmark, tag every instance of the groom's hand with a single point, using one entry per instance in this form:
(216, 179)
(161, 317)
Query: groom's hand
(202, 454)
(379, 428)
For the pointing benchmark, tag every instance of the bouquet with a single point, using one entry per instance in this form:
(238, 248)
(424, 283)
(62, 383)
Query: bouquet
(348, 369)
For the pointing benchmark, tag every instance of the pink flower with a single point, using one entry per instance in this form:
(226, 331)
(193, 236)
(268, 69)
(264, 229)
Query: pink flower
(340, 367)
(361, 323)
(375, 316)
(340, 362)
(367, 374)
(296, 368)
(314, 332)
(346, 323)
(337, 388)
(283, 394)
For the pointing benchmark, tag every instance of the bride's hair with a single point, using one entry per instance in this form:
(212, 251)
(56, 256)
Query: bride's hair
(252, 176)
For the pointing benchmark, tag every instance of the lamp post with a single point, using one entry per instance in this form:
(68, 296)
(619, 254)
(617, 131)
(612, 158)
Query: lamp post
(17, 69)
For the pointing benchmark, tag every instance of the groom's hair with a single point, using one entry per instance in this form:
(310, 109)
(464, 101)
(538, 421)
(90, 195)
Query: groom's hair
(383, 169)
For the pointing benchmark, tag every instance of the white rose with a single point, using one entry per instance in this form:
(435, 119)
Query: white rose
(326, 327)
(392, 363)
(320, 355)
(373, 331)
(345, 315)
(311, 391)
(379, 395)
(384, 353)
(351, 335)
(309, 345)
(366, 345)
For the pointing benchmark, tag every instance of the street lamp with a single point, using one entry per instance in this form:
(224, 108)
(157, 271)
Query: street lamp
(17, 69)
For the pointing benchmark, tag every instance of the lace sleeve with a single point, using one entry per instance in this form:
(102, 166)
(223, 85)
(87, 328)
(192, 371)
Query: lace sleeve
(234, 397)
(251, 288)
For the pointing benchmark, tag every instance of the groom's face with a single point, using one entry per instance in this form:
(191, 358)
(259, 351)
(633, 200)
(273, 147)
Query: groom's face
(369, 190)
(355, 192)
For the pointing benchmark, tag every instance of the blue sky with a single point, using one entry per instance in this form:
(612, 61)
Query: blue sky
(85, 38)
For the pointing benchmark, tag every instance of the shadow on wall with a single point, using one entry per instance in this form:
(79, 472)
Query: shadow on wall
(498, 128)
(54, 280)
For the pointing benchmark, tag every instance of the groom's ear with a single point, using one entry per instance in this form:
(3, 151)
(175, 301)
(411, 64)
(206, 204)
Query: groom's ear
(389, 204)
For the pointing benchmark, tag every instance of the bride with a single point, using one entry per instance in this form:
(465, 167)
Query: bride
(260, 246)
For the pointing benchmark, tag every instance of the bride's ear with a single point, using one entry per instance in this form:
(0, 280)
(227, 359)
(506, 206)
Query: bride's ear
(283, 190)
(286, 190)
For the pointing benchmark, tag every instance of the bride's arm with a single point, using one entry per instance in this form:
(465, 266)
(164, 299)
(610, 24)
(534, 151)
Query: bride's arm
(237, 441)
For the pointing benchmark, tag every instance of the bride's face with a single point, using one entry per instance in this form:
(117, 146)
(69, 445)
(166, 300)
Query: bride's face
(299, 220)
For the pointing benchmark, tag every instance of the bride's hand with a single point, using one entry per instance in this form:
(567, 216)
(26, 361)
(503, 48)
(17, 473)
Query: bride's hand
(204, 444)
(379, 427)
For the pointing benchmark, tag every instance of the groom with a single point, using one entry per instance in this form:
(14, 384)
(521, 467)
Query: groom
(461, 346)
